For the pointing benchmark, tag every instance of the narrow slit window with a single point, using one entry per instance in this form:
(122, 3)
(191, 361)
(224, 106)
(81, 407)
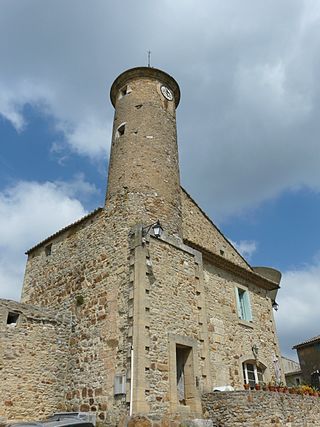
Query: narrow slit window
(48, 249)
(12, 318)
(123, 91)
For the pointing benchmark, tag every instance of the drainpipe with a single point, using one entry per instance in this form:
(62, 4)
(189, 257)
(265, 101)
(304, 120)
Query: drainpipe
(131, 382)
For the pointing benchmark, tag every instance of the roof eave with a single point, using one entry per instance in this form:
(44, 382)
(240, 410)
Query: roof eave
(236, 269)
(62, 230)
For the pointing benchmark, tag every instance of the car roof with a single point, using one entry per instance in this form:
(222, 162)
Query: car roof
(59, 422)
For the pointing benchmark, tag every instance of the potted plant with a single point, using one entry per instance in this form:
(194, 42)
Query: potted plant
(246, 386)
(307, 390)
(271, 386)
(257, 386)
(264, 386)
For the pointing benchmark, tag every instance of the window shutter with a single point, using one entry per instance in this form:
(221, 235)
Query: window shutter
(246, 301)
(119, 384)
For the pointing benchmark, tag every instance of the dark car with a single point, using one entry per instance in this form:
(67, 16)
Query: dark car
(63, 419)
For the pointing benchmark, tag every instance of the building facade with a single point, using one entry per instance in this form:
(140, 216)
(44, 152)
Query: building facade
(292, 372)
(309, 358)
(130, 321)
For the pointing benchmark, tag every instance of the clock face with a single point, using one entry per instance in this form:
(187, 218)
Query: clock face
(166, 92)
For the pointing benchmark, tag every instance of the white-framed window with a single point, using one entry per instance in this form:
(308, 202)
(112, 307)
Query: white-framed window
(252, 374)
(243, 304)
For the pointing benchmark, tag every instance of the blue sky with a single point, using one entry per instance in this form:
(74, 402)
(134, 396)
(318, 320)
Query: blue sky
(248, 125)
(30, 155)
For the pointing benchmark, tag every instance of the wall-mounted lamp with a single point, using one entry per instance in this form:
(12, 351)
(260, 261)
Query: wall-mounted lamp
(156, 227)
(275, 305)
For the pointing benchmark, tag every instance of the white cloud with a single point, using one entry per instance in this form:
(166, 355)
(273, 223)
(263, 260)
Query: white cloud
(246, 247)
(298, 317)
(57, 63)
(77, 188)
(89, 137)
(30, 212)
(248, 121)
(13, 100)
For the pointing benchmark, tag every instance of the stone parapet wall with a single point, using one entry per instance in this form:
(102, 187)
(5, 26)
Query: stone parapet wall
(31, 313)
(261, 409)
(172, 420)
(33, 360)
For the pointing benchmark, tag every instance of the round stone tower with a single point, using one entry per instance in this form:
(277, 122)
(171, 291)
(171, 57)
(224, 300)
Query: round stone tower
(144, 166)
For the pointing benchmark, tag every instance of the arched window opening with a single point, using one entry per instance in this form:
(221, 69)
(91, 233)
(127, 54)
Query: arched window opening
(125, 90)
(120, 130)
(252, 373)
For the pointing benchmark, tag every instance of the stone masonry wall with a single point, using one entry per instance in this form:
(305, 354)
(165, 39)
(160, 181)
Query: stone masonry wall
(144, 159)
(172, 310)
(309, 358)
(197, 228)
(261, 409)
(33, 361)
(88, 274)
(231, 339)
(91, 270)
(192, 300)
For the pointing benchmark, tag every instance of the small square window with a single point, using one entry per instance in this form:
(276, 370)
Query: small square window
(243, 303)
(12, 318)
